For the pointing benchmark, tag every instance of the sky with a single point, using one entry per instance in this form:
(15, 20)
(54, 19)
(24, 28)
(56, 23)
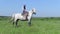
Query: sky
(44, 8)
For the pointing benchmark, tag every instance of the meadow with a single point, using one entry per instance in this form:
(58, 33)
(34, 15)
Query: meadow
(39, 25)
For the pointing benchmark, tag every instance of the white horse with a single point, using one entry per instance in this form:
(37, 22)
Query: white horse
(19, 16)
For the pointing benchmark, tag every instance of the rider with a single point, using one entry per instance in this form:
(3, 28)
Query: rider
(24, 9)
(25, 13)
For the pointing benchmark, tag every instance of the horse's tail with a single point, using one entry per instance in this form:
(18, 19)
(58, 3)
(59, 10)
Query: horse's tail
(11, 18)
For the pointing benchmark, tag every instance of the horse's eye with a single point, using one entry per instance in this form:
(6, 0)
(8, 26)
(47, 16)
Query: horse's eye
(32, 10)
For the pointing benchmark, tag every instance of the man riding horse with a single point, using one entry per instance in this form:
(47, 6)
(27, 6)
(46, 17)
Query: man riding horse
(25, 13)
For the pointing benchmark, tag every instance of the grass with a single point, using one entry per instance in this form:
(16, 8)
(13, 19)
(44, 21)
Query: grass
(39, 26)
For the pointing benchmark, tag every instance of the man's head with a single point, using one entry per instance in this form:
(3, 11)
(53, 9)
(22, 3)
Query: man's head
(24, 6)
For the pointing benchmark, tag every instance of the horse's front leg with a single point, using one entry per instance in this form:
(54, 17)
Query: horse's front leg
(29, 22)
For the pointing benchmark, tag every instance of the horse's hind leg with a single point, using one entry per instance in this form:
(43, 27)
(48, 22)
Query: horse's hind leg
(13, 22)
(17, 22)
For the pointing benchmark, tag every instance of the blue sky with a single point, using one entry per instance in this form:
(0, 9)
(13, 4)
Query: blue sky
(44, 8)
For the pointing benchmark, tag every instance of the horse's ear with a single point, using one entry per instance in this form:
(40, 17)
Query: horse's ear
(33, 9)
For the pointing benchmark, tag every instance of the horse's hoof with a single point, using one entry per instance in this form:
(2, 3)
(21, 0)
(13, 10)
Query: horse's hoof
(30, 25)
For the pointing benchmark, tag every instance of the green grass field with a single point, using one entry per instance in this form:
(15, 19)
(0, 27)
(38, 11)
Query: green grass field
(39, 26)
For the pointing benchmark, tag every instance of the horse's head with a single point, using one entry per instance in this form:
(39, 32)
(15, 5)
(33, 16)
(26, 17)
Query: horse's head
(34, 11)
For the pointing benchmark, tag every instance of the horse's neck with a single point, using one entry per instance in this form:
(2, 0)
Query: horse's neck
(30, 12)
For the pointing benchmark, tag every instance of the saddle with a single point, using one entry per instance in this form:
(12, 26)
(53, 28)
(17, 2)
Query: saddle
(25, 14)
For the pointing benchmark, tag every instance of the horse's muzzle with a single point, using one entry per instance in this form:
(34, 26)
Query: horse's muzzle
(35, 13)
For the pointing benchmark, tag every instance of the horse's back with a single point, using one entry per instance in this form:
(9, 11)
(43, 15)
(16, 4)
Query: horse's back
(18, 15)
